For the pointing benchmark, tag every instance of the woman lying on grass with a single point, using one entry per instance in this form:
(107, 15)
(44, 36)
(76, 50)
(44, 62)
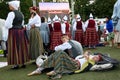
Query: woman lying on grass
(62, 63)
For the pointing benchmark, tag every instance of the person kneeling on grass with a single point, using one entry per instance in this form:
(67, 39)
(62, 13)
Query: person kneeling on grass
(63, 63)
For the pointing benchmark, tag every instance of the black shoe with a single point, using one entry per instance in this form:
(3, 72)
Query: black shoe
(15, 67)
(5, 53)
(23, 66)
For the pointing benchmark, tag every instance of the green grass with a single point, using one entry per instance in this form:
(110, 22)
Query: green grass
(21, 74)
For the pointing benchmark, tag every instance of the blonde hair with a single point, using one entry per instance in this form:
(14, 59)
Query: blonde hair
(65, 36)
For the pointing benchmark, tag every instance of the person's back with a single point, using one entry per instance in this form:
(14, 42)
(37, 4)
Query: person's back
(76, 48)
(44, 31)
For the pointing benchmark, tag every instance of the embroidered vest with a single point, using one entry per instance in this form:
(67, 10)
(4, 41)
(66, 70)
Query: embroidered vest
(17, 22)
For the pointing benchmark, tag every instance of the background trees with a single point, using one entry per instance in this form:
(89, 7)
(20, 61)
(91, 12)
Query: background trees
(82, 7)
(100, 8)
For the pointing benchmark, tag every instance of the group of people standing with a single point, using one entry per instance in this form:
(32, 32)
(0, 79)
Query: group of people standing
(46, 35)
(85, 32)
(42, 35)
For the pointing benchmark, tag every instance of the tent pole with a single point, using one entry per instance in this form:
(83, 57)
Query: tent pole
(72, 8)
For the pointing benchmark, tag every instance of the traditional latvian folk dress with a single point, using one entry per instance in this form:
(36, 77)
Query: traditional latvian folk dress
(66, 25)
(91, 35)
(36, 43)
(67, 29)
(56, 34)
(79, 33)
(44, 31)
(79, 30)
(17, 41)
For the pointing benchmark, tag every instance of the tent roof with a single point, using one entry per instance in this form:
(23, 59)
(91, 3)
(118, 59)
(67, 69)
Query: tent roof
(54, 7)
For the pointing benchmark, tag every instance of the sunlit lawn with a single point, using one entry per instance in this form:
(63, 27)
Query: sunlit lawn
(7, 73)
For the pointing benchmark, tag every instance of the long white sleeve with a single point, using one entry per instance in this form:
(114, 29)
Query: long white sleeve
(96, 26)
(74, 26)
(36, 20)
(83, 26)
(63, 28)
(9, 20)
(63, 46)
(86, 25)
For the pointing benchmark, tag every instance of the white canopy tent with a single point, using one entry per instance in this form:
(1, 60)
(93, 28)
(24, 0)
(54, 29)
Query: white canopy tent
(50, 9)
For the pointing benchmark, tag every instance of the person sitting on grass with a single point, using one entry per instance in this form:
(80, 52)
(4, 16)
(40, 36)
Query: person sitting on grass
(64, 64)
(71, 47)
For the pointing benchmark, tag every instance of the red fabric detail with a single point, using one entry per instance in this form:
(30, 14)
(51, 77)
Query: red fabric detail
(91, 24)
(67, 27)
(57, 27)
(34, 8)
(55, 39)
(50, 27)
(79, 25)
(91, 37)
(79, 36)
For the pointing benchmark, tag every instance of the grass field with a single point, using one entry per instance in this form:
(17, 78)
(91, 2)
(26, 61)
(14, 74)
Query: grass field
(21, 74)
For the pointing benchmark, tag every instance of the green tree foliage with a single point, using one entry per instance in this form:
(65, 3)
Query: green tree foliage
(81, 7)
(24, 7)
(102, 8)
(3, 10)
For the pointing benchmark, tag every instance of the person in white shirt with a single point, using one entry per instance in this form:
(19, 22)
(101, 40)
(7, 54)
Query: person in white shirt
(63, 63)
(79, 29)
(56, 33)
(65, 26)
(65, 45)
(36, 44)
(91, 35)
(17, 41)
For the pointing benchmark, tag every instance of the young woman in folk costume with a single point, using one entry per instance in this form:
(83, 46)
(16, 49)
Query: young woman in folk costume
(64, 64)
(91, 35)
(36, 43)
(17, 41)
(45, 33)
(79, 29)
(65, 26)
(56, 34)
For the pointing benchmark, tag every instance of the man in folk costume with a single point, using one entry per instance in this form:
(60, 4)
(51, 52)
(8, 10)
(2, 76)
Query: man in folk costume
(17, 41)
(65, 26)
(116, 21)
(56, 34)
(91, 35)
(79, 29)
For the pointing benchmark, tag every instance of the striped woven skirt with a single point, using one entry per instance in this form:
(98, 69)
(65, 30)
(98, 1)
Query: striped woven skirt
(17, 47)
(91, 37)
(55, 39)
(79, 36)
(36, 43)
(61, 63)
